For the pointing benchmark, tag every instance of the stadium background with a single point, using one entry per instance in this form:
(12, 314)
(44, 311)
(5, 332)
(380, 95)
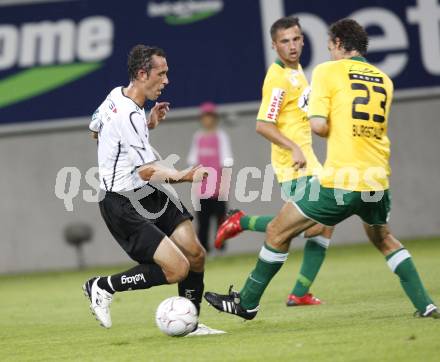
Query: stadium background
(58, 60)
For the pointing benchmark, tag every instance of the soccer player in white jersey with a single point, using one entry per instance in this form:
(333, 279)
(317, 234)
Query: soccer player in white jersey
(153, 230)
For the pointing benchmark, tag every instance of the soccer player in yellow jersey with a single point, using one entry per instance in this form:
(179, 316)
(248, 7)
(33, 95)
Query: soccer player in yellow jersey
(349, 105)
(282, 120)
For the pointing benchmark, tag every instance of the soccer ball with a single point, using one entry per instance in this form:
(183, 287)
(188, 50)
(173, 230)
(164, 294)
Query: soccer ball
(176, 316)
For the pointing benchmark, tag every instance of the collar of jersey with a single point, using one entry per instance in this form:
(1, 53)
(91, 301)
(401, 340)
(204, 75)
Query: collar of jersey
(360, 59)
(280, 63)
(137, 105)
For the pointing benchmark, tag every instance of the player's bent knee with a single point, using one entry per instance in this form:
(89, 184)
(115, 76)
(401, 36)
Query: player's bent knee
(197, 260)
(315, 230)
(390, 243)
(274, 237)
(200, 253)
(271, 231)
(172, 261)
(178, 272)
(196, 255)
(277, 244)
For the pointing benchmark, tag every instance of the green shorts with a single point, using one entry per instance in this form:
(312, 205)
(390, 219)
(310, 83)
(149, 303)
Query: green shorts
(289, 188)
(330, 206)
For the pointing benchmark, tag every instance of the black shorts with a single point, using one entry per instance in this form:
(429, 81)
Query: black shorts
(139, 227)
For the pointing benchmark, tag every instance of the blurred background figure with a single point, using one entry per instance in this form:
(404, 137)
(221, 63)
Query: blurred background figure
(210, 147)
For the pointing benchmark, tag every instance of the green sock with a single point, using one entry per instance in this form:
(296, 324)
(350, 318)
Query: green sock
(268, 264)
(255, 223)
(314, 254)
(400, 262)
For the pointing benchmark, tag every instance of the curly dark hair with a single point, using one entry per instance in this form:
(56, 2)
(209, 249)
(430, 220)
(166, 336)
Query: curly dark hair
(140, 57)
(351, 35)
(283, 23)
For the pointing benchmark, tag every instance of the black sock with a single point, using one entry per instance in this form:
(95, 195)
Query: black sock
(103, 284)
(142, 276)
(192, 288)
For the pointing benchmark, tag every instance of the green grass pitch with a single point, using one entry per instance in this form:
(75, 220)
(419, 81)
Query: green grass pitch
(45, 317)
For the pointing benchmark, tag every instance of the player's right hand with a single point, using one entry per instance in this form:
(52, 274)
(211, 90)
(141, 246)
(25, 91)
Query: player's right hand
(298, 159)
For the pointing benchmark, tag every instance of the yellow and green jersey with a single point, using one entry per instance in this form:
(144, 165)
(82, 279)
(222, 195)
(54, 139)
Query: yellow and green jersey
(282, 89)
(355, 97)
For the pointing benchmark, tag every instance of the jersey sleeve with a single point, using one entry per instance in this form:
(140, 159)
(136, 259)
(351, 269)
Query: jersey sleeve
(319, 100)
(274, 91)
(134, 134)
(96, 123)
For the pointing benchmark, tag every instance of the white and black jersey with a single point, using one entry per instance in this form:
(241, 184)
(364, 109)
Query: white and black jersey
(123, 142)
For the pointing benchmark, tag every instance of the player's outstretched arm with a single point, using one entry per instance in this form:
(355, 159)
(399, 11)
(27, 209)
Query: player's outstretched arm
(155, 172)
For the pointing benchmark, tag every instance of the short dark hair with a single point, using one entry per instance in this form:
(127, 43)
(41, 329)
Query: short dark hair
(140, 58)
(283, 23)
(351, 35)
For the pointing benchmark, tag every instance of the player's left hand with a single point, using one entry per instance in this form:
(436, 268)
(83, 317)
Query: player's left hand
(158, 113)
(196, 174)
(299, 161)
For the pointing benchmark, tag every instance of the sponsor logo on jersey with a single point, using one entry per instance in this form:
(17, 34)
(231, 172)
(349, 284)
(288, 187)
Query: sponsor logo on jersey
(276, 100)
(112, 106)
(294, 78)
(184, 11)
(303, 101)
